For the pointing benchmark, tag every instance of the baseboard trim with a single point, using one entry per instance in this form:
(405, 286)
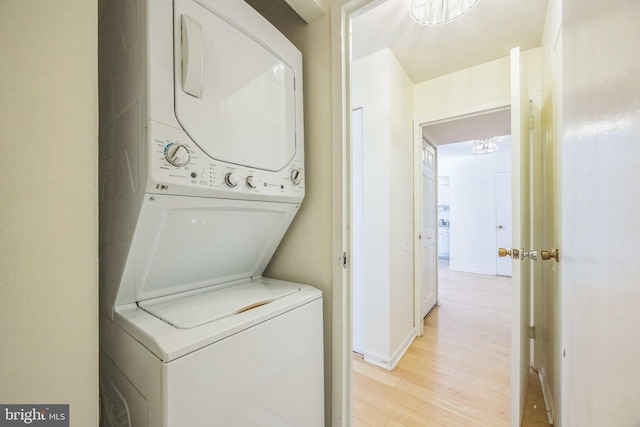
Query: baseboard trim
(390, 363)
(403, 347)
(547, 394)
(377, 359)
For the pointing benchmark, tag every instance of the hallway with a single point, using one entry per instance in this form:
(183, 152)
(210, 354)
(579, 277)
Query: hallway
(457, 374)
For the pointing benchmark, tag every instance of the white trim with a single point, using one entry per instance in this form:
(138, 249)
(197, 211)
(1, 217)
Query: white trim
(377, 359)
(547, 394)
(476, 110)
(402, 348)
(418, 324)
(341, 337)
(309, 10)
(390, 364)
(340, 300)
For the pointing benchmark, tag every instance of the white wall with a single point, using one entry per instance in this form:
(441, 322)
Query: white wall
(401, 254)
(48, 205)
(472, 213)
(371, 93)
(384, 92)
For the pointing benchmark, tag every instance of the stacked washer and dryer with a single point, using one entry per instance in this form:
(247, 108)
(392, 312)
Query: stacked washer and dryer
(201, 173)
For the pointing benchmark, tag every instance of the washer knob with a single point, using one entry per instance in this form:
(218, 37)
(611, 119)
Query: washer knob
(177, 154)
(231, 179)
(249, 182)
(296, 176)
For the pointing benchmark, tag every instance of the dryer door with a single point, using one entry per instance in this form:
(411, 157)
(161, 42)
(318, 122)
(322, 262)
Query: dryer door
(234, 95)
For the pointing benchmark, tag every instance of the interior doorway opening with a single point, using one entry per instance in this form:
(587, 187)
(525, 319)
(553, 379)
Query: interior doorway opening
(474, 207)
(472, 203)
(497, 105)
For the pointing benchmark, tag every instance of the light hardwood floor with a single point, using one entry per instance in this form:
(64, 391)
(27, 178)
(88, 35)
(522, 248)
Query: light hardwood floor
(457, 374)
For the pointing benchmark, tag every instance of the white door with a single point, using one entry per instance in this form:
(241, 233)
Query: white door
(598, 208)
(521, 277)
(428, 256)
(357, 234)
(503, 220)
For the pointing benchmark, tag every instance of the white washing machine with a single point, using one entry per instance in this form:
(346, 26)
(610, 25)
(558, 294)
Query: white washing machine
(201, 174)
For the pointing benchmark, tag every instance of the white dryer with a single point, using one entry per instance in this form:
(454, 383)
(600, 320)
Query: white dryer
(201, 173)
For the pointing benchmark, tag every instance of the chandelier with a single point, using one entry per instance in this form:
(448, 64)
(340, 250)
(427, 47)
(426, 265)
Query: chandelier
(438, 12)
(484, 146)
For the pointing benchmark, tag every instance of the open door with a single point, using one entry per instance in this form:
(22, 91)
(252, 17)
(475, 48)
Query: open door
(521, 222)
(428, 255)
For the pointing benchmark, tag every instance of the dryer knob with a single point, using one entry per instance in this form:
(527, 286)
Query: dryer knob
(296, 176)
(177, 154)
(250, 182)
(231, 179)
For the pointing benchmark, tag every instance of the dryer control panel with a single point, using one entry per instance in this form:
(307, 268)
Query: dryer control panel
(179, 167)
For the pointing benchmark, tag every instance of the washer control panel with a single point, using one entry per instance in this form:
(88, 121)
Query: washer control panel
(178, 166)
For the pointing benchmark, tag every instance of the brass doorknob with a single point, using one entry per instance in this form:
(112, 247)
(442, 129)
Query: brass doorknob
(514, 253)
(553, 253)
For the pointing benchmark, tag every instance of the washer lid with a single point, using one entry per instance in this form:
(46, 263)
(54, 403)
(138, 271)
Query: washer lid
(185, 243)
(205, 307)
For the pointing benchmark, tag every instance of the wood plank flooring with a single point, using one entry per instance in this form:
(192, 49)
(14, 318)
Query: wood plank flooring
(457, 374)
(535, 413)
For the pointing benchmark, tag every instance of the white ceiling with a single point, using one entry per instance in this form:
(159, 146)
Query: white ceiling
(486, 32)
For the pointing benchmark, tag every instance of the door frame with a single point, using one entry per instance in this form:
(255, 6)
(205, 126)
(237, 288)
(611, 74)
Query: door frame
(356, 205)
(342, 11)
(419, 123)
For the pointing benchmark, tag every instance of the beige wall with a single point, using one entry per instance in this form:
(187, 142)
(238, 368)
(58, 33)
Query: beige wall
(304, 254)
(48, 199)
(473, 89)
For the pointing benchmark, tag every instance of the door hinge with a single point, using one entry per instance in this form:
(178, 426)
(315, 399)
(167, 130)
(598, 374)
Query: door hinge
(532, 332)
(343, 261)
(531, 121)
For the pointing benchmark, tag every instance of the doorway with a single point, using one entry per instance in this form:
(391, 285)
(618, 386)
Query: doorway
(465, 107)
(466, 203)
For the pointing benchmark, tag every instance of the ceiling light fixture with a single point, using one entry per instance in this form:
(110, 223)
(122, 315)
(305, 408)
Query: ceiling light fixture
(484, 146)
(438, 12)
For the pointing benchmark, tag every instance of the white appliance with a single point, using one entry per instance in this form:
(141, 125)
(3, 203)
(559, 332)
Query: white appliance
(201, 173)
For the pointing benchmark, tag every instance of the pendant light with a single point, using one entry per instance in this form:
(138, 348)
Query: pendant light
(438, 12)
(484, 146)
